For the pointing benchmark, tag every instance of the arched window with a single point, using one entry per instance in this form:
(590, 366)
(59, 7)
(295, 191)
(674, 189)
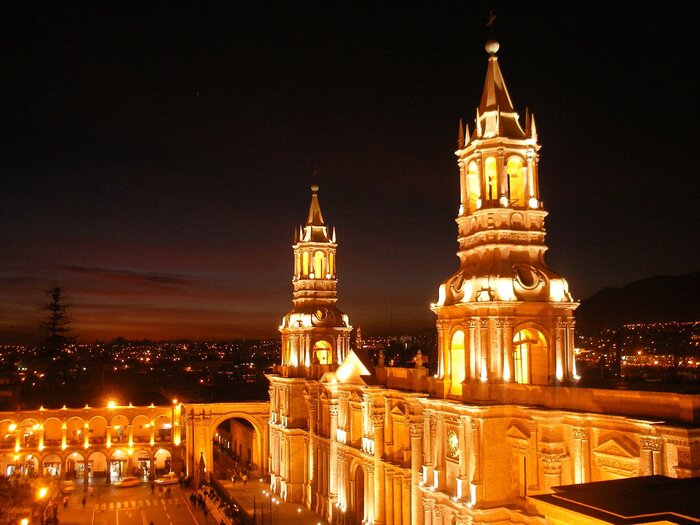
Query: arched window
(319, 263)
(331, 264)
(474, 190)
(491, 179)
(323, 352)
(530, 357)
(516, 181)
(305, 264)
(457, 362)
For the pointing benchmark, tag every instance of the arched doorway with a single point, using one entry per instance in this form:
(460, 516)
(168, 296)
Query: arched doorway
(358, 500)
(75, 465)
(457, 362)
(530, 357)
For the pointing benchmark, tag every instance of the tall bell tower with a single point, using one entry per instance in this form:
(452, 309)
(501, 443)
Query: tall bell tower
(315, 334)
(504, 316)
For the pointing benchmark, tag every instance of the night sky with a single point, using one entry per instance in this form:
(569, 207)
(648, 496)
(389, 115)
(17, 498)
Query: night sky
(156, 157)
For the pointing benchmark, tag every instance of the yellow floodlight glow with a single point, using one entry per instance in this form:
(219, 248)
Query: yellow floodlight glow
(41, 494)
(111, 404)
(12, 427)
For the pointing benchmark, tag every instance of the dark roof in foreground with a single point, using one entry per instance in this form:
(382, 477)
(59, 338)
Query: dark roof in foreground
(644, 499)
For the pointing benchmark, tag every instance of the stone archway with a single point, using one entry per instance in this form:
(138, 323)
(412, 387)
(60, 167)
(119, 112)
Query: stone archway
(201, 421)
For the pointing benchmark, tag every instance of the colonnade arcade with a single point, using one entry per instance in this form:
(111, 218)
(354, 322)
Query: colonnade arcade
(101, 442)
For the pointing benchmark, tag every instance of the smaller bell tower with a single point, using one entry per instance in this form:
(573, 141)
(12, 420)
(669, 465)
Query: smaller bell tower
(315, 334)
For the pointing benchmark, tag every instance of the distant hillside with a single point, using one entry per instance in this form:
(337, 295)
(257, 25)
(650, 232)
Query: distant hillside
(657, 299)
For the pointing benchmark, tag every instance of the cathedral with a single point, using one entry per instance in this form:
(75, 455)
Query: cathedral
(502, 422)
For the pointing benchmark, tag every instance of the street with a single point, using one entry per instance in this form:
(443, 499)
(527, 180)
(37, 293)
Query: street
(128, 506)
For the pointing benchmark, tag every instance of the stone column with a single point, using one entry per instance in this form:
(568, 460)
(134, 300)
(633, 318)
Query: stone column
(559, 346)
(427, 442)
(389, 495)
(333, 457)
(464, 448)
(416, 431)
(652, 463)
(551, 464)
(86, 439)
(583, 467)
(475, 460)
(532, 459)
(64, 430)
(428, 512)
(474, 355)
(442, 350)
(369, 494)
(484, 347)
(508, 349)
(398, 499)
(498, 363)
(406, 499)
(378, 427)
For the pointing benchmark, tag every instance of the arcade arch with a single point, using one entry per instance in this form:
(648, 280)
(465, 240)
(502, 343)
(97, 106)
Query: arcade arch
(51, 465)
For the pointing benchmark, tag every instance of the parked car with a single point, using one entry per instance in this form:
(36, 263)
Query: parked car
(127, 481)
(169, 479)
(67, 487)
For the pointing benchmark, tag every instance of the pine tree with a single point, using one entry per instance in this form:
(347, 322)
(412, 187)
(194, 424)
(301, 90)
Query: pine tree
(57, 324)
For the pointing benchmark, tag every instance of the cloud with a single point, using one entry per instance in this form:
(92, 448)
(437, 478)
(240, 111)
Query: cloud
(147, 278)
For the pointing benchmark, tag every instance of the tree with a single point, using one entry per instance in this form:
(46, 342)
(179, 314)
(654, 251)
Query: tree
(57, 324)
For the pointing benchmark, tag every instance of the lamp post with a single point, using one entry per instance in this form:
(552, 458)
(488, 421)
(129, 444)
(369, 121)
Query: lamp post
(41, 497)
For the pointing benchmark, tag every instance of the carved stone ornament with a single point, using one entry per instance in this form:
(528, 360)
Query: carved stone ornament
(333, 410)
(582, 434)
(416, 430)
(651, 443)
(551, 464)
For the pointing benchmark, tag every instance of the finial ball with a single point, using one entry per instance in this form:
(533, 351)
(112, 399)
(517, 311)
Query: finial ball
(314, 188)
(492, 47)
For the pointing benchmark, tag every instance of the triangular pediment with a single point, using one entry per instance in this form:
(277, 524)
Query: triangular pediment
(618, 447)
(352, 371)
(518, 431)
(397, 411)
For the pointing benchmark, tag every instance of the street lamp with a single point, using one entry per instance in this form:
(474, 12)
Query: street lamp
(41, 495)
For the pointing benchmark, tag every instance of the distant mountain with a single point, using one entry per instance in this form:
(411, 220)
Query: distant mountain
(653, 300)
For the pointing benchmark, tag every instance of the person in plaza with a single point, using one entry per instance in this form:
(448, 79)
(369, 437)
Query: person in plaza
(233, 478)
(244, 477)
(153, 487)
(65, 502)
(83, 502)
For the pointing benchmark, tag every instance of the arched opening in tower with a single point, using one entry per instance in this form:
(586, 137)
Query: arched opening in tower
(457, 362)
(323, 352)
(530, 357)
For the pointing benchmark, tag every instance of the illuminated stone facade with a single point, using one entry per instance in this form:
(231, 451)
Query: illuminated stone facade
(501, 420)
